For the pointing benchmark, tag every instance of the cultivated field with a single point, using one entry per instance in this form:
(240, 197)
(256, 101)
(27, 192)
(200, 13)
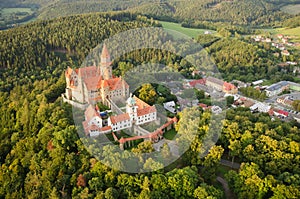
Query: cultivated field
(291, 9)
(9, 11)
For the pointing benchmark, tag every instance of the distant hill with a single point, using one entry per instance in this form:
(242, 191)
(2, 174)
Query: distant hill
(245, 12)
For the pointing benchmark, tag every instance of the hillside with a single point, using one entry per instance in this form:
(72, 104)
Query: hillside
(42, 156)
(250, 12)
(42, 49)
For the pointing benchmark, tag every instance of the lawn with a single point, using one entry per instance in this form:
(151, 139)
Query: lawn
(293, 32)
(190, 32)
(16, 16)
(8, 11)
(291, 9)
(290, 32)
(169, 135)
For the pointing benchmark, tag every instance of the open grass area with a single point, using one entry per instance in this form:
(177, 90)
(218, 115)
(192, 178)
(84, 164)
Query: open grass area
(8, 11)
(169, 135)
(190, 32)
(16, 15)
(292, 32)
(291, 9)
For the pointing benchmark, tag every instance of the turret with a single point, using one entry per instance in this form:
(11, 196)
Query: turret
(105, 67)
(131, 108)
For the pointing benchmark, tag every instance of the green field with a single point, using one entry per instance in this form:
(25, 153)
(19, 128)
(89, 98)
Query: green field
(15, 16)
(293, 32)
(291, 9)
(169, 135)
(190, 32)
(9, 11)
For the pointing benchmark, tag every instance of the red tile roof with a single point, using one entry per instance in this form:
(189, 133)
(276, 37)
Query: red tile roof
(115, 83)
(92, 83)
(90, 112)
(199, 81)
(281, 112)
(88, 128)
(119, 118)
(87, 72)
(147, 110)
(106, 128)
(140, 103)
(228, 87)
(202, 105)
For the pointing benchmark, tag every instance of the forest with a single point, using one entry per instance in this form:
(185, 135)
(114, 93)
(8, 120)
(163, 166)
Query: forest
(42, 155)
(244, 12)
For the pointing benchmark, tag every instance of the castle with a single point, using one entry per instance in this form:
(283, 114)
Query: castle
(93, 84)
(137, 113)
(89, 85)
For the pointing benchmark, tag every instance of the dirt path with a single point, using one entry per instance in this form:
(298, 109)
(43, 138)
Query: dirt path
(230, 164)
(228, 193)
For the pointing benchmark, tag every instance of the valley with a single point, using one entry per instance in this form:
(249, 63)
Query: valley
(229, 127)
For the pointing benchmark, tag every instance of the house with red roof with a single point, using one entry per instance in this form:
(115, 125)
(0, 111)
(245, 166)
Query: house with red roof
(229, 88)
(198, 81)
(221, 85)
(278, 112)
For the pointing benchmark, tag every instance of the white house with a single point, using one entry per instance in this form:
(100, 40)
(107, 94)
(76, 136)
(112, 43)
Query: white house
(216, 109)
(260, 107)
(170, 106)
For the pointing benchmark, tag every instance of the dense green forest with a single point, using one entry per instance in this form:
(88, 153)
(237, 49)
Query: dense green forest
(246, 12)
(42, 156)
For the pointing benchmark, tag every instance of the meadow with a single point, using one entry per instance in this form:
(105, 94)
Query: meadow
(190, 32)
(15, 16)
(293, 32)
(9, 11)
(291, 9)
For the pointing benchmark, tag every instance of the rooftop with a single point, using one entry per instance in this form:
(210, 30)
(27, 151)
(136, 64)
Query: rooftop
(119, 118)
(90, 112)
(277, 86)
(215, 80)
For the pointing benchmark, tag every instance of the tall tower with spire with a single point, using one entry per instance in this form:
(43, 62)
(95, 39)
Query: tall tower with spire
(105, 67)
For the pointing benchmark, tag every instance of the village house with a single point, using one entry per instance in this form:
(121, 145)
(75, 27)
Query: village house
(280, 36)
(220, 85)
(260, 107)
(285, 101)
(285, 52)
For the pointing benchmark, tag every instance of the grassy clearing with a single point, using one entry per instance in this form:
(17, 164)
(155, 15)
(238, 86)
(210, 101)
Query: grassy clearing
(190, 32)
(291, 9)
(9, 11)
(169, 135)
(292, 32)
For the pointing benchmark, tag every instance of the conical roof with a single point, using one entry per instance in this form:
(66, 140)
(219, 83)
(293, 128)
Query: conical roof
(105, 53)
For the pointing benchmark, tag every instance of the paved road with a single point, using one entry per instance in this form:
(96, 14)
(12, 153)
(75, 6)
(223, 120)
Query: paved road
(230, 164)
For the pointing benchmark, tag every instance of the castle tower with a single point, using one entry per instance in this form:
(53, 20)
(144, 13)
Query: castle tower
(105, 67)
(131, 108)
